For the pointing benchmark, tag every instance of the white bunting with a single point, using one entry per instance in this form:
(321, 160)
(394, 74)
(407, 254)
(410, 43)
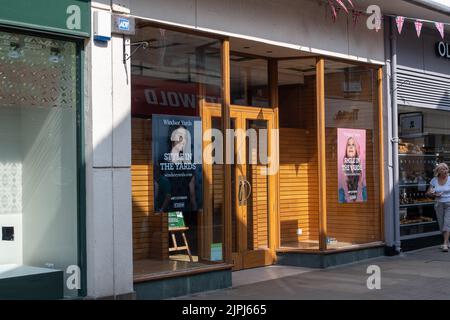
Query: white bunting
(440, 27)
(418, 25)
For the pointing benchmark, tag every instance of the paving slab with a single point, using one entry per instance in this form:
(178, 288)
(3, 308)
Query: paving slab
(418, 275)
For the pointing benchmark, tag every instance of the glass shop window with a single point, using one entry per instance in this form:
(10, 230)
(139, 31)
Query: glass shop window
(249, 81)
(352, 138)
(424, 141)
(173, 72)
(299, 182)
(171, 78)
(38, 161)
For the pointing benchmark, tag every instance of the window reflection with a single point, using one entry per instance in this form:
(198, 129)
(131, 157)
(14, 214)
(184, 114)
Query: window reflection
(172, 77)
(249, 81)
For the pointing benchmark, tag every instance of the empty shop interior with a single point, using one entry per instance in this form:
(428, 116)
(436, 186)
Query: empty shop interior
(246, 221)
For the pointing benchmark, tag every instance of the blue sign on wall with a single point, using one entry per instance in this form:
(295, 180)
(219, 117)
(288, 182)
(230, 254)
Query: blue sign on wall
(124, 24)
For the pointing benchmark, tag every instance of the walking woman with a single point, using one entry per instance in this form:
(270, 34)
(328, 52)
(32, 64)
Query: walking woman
(440, 189)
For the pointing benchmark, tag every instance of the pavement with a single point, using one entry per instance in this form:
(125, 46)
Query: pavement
(416, 275)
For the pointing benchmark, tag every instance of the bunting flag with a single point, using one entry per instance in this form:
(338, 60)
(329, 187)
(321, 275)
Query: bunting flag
(418, 25)
(440, 27)
(342, 5)
(378, 21)
(400, 20)
(355, 17)
(335, 13)
(337, 5)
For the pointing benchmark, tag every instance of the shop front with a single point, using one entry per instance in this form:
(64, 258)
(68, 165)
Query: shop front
(421, 105)
(248, 153)
(42, 246)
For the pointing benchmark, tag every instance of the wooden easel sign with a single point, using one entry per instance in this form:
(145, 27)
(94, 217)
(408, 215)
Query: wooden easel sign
(176, 220)
(176, 225)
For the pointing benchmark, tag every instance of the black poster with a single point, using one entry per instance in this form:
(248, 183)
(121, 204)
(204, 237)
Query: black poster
(177, 163)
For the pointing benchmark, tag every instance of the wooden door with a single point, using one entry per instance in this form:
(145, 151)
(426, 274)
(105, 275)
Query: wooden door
(254, 208)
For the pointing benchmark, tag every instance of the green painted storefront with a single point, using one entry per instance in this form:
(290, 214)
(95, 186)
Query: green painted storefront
(24, 26)
(66, 17)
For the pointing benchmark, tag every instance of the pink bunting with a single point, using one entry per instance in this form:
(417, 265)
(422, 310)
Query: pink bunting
(342, 5)
(400, 20)
(355, 17)
(418, 25)
(335, 13)
(378, 22)
(440, 27)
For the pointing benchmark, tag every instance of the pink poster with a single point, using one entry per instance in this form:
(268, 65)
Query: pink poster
(351, 165)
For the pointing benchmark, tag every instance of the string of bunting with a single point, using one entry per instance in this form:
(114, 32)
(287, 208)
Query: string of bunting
(418, 24)
(399, 20)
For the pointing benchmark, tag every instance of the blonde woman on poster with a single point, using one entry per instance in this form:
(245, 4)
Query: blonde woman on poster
(352, 165)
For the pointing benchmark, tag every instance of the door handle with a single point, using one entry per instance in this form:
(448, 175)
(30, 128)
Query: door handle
(249, 189)
(240, 192)
(245, 191)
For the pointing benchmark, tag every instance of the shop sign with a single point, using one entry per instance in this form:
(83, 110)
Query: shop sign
(347, 115)
(410, 123)
(177, 163)
(344, 113)
(443, 49)
(61, 16)
(157, 96)
(352, 86)
(351, 156)
(123, 25)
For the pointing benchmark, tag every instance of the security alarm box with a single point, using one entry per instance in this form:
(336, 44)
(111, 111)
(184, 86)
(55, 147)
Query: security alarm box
(102, 26)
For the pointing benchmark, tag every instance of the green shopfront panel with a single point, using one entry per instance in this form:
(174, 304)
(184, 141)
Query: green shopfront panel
(71, 17)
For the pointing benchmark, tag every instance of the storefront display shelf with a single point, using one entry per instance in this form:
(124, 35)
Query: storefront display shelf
(413, 185)
(416, 223)
(420, 235)
(414, 135)
(416, 204)
(416, 155)
(416, 166)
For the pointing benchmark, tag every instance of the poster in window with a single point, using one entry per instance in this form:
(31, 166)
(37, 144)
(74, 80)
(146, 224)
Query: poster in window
(351, 165)
(177, 163)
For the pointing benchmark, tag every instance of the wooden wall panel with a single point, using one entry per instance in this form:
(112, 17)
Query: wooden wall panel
(217, 186)
(218, 194)
(299, 201)
(299, 207)
(353, 222)
(150, 236)
(258, 211)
